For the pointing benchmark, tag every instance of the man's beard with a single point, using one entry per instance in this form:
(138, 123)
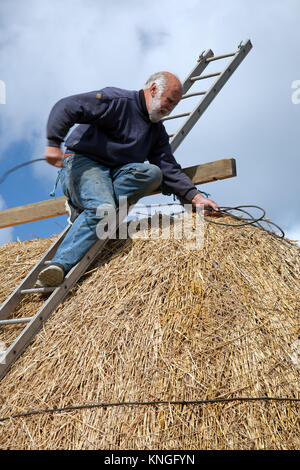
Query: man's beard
(155, 113)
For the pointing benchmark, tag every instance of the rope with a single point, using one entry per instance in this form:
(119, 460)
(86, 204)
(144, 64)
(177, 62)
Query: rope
(250, 221)
(52, 194)
(150, 403)
(5, 175)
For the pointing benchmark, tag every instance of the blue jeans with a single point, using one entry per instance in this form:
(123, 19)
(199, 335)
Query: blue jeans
(95, 185)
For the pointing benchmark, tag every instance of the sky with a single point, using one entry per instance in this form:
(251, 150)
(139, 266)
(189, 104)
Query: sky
(50, 49)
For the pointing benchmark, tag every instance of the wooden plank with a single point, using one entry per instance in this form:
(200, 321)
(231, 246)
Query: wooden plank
(33, 212)
(212, 171)
(200, 174)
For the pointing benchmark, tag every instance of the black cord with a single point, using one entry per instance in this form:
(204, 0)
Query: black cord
(14, 168)
(269, 222)
(4, 176)
(149, 403)
(250, 221)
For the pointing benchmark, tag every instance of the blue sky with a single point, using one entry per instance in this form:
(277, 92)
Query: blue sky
(54, 48)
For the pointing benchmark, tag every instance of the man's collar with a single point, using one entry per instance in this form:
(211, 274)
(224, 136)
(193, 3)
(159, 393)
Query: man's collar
(143, 102)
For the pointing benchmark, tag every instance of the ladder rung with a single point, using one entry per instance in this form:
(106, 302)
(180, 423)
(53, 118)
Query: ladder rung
(38, 289)
(217, 57)
(193, 94)
(16, 320)
(202, 77)
(175, 116)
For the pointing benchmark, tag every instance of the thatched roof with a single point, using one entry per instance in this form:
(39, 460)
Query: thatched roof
(154, 321)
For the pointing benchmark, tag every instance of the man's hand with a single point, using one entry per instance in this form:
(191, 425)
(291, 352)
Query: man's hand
(210, 207)
(54, 156)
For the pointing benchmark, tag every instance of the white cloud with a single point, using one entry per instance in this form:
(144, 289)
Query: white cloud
(293, 233)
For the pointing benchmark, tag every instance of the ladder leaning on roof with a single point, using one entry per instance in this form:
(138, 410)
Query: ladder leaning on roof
(57, 294)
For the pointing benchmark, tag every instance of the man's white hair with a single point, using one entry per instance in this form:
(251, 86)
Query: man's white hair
(160, 78)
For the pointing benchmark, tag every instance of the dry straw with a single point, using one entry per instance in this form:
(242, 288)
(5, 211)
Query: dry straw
(150, 321)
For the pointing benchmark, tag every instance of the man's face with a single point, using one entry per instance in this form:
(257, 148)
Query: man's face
(162, 103)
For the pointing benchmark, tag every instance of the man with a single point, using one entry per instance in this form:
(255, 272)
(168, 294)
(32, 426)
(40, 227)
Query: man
(105, 159)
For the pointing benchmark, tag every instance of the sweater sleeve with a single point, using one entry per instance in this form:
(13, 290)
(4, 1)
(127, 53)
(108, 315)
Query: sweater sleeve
(174, 178)
(85, 108)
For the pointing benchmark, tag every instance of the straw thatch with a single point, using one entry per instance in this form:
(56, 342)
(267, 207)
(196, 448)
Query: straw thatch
(152, 320)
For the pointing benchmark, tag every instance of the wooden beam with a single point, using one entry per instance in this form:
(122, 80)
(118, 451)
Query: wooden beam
(200, 174)
(33, 212)
(212, 171)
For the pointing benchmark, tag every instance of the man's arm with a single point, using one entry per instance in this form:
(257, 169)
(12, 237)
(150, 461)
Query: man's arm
(85, 108)
(175, 178)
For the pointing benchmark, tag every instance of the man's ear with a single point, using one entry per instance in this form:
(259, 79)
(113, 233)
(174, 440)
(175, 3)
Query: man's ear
(153, 89)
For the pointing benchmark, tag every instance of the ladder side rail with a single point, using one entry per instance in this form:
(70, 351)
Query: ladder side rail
(210, 95)
(27, 334)
(16, 296)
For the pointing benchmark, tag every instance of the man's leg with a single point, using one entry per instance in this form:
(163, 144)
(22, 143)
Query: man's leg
(135, 180)
(92, 185)
(88, 185)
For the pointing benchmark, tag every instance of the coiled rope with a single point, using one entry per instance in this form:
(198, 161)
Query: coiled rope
(257, 221)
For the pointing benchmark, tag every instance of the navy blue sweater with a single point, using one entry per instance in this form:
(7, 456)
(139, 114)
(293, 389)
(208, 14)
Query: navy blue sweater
(115, 129)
